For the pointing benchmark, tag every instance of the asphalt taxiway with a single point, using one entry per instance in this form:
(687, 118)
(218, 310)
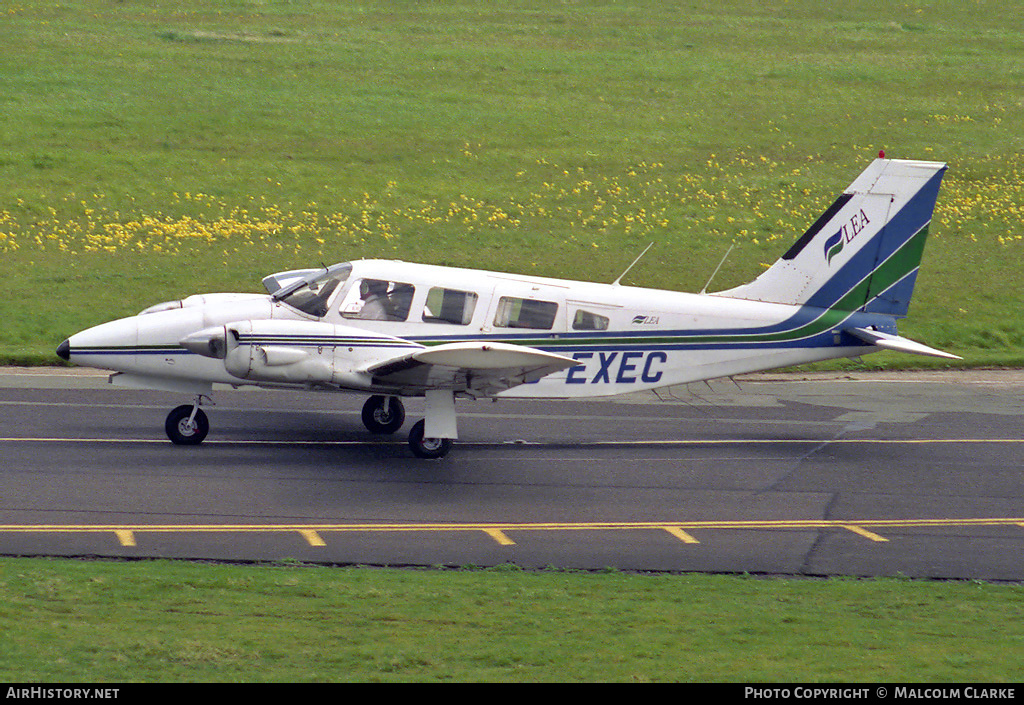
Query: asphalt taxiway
(830, 474)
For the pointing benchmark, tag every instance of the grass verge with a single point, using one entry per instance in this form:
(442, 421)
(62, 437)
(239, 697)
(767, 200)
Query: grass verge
(159, 621)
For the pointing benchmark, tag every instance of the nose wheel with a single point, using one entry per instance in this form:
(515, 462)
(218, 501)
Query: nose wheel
(187, 425)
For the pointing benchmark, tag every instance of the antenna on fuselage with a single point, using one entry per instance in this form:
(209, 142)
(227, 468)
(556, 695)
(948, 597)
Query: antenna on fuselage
(705, 289)
(616, 282)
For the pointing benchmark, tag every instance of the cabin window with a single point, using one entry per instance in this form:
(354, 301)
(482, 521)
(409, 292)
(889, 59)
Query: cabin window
(449, 306)
(378, 300)
(585, 320)
(525, 313)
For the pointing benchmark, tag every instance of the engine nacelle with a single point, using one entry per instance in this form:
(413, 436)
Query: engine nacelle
(295, 352)
(279, 351)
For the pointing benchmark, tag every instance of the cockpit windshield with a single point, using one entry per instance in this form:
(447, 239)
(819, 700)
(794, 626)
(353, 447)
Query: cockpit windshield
(312, 294)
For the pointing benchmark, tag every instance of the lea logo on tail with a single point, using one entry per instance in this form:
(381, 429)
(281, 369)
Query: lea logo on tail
(834, 245)
(390, 329)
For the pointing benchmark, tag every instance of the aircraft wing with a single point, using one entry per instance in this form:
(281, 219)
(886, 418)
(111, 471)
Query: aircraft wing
(477, 368)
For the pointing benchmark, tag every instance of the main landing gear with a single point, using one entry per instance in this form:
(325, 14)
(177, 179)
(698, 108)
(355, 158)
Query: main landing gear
(385, 415)
(187, 425)
(429, 448)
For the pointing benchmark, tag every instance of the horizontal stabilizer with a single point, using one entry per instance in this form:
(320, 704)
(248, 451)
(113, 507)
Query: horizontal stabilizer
(898, 343)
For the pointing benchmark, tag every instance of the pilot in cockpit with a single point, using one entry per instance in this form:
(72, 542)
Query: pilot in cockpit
(374, 294)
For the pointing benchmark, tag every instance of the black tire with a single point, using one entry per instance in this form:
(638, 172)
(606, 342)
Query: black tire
(383, 414)
(178, 429)
(429, 448)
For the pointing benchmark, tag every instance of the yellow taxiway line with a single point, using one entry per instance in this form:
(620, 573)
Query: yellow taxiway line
(682, 530)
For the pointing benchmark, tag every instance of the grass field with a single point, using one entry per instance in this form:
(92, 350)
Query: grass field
(150, 150)
(75, 621)
(153, 150)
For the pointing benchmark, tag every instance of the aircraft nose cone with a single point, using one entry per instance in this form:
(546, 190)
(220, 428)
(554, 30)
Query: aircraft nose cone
(64, 350)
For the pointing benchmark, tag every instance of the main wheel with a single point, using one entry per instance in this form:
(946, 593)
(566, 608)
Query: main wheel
(183, 433)
(429, 448)
(383, 414)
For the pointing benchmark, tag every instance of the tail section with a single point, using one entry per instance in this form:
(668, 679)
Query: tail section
(863, 253)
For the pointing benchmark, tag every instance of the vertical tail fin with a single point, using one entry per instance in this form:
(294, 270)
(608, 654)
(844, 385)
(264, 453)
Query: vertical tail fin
(863, 253)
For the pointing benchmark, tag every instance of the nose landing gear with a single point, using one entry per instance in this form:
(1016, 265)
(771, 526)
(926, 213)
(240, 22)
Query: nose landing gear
(187, 425)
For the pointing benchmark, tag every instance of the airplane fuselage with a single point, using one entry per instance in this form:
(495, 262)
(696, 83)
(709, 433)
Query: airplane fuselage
(624, 339)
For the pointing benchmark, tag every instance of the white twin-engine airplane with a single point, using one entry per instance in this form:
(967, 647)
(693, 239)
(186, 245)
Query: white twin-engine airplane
(393, 329)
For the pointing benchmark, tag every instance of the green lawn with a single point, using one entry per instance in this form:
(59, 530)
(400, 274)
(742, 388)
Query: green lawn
(152, 150)
(79, 621)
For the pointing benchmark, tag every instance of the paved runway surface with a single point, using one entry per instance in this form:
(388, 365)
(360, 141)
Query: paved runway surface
(919, 475)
